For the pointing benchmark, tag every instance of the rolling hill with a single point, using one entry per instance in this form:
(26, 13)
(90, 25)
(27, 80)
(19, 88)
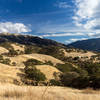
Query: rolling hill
(90, 44)
(32, 66)
(35, 60)
(27, 40)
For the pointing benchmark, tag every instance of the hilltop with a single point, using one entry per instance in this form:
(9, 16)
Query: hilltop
(90, 44)
(27, 40)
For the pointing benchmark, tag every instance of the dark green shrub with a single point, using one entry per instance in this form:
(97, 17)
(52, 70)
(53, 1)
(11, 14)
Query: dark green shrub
(6, 45)
(48, 63)
(14, 63)
(55, 82)
(67, 67)
(31, 49)
(12, 52)
(89, 75)
(34, 74)
(95, 81)
(53, 51)
(6, 61)
(76, 58)
(73, 79)
(81, 72)
(1, 57)
(80, 82)
(68, 78)
(91, 68)
(31, 62)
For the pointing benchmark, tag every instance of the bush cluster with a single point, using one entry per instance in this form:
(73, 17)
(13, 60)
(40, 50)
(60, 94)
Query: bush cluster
(29, 49)
(31, 72)
(12, 53)
(5, 61)
(87, 75)
(53, 51)
(67, 67)
(6, 45)
(34, 74)
(31, 62)
(48, 63)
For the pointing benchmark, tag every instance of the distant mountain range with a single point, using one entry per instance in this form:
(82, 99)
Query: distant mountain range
(90, 44)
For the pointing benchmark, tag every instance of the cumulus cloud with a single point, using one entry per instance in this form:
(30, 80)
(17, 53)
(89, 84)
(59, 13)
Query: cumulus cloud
(13, 27)
(87, 14)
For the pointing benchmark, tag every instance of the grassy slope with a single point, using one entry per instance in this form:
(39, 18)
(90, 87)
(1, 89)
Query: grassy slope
(8, 74)
(3, 50)
(48, 70)
(12, 92)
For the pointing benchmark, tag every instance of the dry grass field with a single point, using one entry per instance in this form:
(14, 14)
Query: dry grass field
(13, 92)
(18, 47)
(41, 57)
(3, 50)
(48, 71)
(79, 54)
(9, 73)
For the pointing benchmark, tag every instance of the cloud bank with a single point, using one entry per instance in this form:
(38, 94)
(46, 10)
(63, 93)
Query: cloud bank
(87, 14)
(13, 27)
(74, 40)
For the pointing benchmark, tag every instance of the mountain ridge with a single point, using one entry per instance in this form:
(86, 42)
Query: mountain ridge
(90, 44)
(28, 40)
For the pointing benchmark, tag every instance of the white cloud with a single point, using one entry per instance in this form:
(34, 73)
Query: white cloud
(62, 5)
(87, 14)
(63, 34)
(13, 27)
(74, 40)
(90, 34)
(90, 24)
(94, 34)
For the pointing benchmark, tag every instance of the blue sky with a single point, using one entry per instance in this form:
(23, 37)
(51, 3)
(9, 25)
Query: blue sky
(65, 21)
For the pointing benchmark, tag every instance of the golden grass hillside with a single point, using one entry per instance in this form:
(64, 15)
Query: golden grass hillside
(18, 47)
(13, 92)
(3, 50)
(75, 54)
(78, 54)
(48, 71)
(41, 57)
(9, 74)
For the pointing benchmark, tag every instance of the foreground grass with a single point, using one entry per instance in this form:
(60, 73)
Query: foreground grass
(12, 92)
